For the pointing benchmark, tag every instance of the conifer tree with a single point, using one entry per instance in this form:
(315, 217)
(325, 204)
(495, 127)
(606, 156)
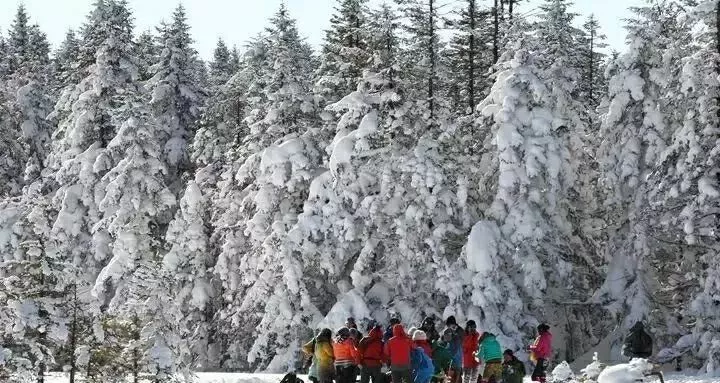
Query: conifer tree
(147, 52)
(221, 67)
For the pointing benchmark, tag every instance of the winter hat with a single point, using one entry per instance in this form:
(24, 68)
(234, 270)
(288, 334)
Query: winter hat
(350, 322)
(419, 335)
(509, 352)
(450, 321)
(412, 331)
(394, 319)
(542, 327)
(471, 323)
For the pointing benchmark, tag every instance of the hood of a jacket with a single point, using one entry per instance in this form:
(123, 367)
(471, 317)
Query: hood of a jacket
(399, 331)
(376, 333)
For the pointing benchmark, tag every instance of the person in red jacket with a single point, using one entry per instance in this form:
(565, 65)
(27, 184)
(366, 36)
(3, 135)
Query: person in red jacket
(471, 366)
(420, 340)
(371, 356)
(540, 352)
(397, 354)
(347, 357)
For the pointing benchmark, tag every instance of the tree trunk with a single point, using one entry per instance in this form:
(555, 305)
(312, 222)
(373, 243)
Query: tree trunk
(73, 335)
(717, 46)
(502, 10)
(135, 353)
(592, 66)
(471, 56)
(431, 52)
(496, 32)
(510, 8)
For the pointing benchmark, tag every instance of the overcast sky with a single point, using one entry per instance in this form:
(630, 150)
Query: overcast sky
(238, 20)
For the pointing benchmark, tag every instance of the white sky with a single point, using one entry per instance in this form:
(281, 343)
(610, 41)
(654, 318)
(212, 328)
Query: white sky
(238, 20)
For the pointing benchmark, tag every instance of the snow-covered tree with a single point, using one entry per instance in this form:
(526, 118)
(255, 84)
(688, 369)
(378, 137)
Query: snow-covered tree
(344, 53)
(261, 200)
(593, 86)
(421, 62)
(147, 51)
(635, 132)
(65, 63)
(221, 68)
(176, 96)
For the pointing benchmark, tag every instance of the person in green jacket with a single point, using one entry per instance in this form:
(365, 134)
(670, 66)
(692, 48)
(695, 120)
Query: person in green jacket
(490, 353)
(441, 356)
(513, 368)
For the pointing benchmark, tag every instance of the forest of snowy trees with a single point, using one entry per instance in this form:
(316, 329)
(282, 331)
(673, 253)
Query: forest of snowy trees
(161, 215)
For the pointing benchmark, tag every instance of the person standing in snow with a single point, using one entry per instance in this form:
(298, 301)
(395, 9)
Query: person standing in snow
(638, 343)
(322, 356)
(513, 368)
(397, 354)
(394, 320)
(347, 357)
(540, 352)
(456, 339)
(442, 359)
(421, 364)
(371, 356)
(309, 349)
(351, 324)
(490, 353)
(428, 326)
(420, 340)
(471, 367)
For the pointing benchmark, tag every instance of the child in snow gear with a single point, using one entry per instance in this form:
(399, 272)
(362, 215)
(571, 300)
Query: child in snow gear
(442, 359)
(513, 369)
(428, 326)
(540, 352)
(322, 354)
(638, 344)
(421, 364)
(371, 356)
(456, 338)
(420, 340)
(489, 351)
(397, 354)
(471, 367)
(347, 357)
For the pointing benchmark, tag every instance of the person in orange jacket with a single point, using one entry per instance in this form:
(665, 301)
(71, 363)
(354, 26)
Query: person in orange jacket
(397, 354)
(471, 366)
(347, 357)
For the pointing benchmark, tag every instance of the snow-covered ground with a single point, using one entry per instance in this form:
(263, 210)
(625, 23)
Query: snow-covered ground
(218, 377)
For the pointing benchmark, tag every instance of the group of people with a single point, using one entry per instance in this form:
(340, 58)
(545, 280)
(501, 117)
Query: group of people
(421, 355)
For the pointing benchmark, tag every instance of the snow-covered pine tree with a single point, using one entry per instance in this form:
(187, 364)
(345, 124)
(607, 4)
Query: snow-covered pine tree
(221, 68)
(262, 198)
(65, 63)
(147, 51)
(593, 86)
(176, 96)
(636, 130)
(134, 207)
(469, 57)
(187, 268)
(344, 52)
(421, 60)
(234, 60)
(683, 187)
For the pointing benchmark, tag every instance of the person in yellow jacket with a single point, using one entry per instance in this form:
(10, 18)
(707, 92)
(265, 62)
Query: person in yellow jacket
(321, 350)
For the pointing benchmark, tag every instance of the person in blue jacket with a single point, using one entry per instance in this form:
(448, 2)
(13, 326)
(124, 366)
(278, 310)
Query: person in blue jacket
(421, 364)
(456, 335)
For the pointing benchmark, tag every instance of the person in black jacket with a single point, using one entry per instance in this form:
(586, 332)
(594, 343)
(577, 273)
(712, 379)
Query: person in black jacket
(638, 344)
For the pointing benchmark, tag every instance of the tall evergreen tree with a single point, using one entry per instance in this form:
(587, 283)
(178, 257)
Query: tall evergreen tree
(66, 63)
(220, 67)
(147, 51)
(176, 96)
(344, 53)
